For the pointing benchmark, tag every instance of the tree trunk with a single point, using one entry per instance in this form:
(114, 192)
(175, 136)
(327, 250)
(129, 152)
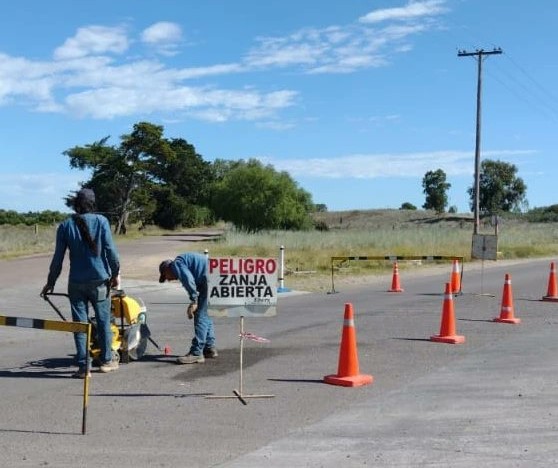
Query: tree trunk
(121, 227)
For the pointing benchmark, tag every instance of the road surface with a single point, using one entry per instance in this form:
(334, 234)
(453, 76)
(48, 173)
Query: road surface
(488, 402)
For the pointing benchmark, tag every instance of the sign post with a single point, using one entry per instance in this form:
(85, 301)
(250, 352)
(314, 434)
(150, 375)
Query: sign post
(484, 247)
(242, 287)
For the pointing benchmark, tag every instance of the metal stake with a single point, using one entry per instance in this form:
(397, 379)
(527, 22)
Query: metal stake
(239, 393)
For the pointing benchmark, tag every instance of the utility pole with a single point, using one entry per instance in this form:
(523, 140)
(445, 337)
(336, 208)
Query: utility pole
(479, 54)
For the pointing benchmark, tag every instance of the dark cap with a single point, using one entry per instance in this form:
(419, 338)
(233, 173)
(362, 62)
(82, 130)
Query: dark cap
(83, 201)
(162, 267)
(86, 195)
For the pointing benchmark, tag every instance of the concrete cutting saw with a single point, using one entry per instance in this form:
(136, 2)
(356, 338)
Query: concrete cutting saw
(130, 333)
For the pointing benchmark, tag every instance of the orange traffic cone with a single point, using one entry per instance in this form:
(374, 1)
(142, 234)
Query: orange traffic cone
(506, 310)
(167, 350)
(447, 325)
(395, 286)
(552, 291)
(455, 279)
(348, 370)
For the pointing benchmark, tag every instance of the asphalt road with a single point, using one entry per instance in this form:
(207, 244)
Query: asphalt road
(488, 402)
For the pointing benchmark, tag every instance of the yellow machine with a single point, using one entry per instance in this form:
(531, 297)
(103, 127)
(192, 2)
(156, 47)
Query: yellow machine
(130, 332)
(129, 328)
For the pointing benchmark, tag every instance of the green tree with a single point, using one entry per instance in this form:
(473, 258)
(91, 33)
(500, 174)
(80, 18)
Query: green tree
(499, 188)
(11, 217)
(435, 187)
(543, 214)
(255, 197)
(407, 206)
(183, 193)
(121, 175)
(146, 177)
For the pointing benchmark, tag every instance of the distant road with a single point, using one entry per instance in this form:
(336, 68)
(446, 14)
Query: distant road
(140, 258)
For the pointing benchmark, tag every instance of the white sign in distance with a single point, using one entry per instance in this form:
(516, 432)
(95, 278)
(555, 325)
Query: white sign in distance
(485, 246)
(242, 287)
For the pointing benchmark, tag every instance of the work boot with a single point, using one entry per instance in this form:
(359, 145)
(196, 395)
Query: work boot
(210, 353)
(190, 359)
(109, 366)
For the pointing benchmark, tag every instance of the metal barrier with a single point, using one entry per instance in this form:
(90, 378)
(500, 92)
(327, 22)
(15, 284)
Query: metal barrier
(72, 327)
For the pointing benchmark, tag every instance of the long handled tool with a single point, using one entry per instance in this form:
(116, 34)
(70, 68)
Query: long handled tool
(146, 333)
(56, 309)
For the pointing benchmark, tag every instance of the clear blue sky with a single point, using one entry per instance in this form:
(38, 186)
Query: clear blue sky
(356, 99)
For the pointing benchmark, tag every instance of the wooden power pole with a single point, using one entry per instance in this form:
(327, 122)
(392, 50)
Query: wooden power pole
(479, 54)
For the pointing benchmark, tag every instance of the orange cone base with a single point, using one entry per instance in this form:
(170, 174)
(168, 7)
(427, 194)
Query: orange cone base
(451, 339)
(550, 298)
(507, 320)
(396, 290)
(351, 381)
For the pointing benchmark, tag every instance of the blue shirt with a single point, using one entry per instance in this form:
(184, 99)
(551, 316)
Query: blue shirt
(191, 270)
(85, 265)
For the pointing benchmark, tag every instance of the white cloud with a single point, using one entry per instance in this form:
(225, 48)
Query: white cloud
(162, 32)
(208, 104)
(212, 70)
(164, 36)
(95, 87)
(93, 40)
(37, 192)
(340, 49)
(412, 10)
(90, 76)
(87, 81)
(26, 81)
(372, 166)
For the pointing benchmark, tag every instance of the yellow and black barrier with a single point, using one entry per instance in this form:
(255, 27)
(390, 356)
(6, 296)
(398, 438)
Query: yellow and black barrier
(72, 327)
(392, 258)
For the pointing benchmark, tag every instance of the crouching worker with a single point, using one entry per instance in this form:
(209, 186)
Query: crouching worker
(191, 270)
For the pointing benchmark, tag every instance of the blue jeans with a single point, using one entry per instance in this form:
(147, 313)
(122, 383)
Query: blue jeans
(97, 294)
(204, 333)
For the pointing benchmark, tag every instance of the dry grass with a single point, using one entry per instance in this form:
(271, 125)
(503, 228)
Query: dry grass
(349, 233)
(25, 240)
(382, 233)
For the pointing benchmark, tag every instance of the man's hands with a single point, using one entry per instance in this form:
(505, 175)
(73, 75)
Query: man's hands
(191, 310)
(115, 282)
(47, 288)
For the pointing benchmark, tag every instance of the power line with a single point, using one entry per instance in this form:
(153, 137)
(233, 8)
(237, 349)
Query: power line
(540, 87)
(532, 92)
(522, 85)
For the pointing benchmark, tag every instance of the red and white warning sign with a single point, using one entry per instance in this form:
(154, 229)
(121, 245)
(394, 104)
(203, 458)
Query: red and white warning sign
(245, 286)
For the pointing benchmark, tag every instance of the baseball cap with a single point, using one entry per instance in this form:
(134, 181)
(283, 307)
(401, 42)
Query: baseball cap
(86, 195)
(162, 266)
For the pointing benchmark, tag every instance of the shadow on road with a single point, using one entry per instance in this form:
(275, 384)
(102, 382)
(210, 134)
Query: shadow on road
(23, 431)
(150, 395)
(50, 368)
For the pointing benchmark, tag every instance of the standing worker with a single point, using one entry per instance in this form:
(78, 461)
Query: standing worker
(191, 270)
(94, 268)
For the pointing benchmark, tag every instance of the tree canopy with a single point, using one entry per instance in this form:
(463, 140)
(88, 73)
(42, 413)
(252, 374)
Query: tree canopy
(407, 206)
(147, 177)
(435, 188)
(499, 188)
(255, 197)
(153, 179)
